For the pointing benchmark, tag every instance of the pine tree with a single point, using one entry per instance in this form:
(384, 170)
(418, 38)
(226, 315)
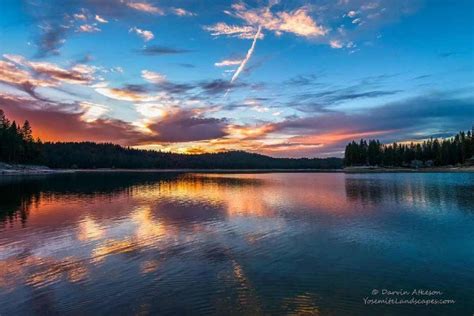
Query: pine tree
(450, 151)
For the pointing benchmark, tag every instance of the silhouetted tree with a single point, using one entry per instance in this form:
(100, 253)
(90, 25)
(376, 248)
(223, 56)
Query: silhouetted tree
(450, 151)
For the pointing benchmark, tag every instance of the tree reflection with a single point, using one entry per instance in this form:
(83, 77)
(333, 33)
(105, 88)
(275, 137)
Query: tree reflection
(19, 194)
(417, 190)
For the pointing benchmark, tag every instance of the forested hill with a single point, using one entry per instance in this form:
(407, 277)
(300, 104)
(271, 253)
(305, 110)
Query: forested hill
(91, 155)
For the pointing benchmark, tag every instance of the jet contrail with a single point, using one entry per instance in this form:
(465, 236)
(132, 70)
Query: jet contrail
(247, 57)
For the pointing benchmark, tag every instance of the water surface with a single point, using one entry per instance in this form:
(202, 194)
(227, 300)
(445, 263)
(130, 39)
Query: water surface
(268, 243)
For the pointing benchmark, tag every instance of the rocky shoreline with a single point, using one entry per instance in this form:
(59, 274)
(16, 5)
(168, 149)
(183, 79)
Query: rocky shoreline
(13, 169)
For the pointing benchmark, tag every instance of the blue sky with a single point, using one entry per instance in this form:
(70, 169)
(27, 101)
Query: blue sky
(283, 78)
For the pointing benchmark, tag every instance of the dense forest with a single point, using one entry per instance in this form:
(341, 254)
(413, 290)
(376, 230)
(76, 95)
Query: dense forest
(18, 146)
(433, 152)
(16, 142)
(92, 155)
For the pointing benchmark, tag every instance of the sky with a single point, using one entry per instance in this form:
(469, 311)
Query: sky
(282, 78)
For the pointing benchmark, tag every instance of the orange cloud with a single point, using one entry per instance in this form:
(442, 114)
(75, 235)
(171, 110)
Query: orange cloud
(132, 95)
(297, 22)
(43, 73)
(249, 132)
(87, 28)
(336, 136)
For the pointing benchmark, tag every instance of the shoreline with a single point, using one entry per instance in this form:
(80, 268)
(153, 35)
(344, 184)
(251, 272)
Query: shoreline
(16, 170)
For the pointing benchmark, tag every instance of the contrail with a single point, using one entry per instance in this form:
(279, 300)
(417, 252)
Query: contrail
(247, 57)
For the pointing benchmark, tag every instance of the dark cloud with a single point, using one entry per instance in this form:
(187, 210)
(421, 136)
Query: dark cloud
(175, 88)
(333, 96)
(169, 87)
(136, 88)
(63, 122)
(421, 77)
(376, 80)
(185, 126)
(201, 89)
(52, 23)
(30, 89)
(359, 95)
(85, 59)
(311, 107)
(50, 40)
(303, 80)
(447, 54)
(413, 118)
(219, 86)
(410, 119)
(314, 96)
(155, 50)
(185, 65)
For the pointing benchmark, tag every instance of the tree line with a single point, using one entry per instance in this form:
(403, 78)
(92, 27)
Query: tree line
(18, 146)
(16, 142)
(86, 155)
(433, 152)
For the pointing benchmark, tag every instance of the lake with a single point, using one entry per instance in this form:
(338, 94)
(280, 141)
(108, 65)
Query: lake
(222, 244)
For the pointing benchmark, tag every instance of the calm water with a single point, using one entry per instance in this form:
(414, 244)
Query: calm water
(235, 243)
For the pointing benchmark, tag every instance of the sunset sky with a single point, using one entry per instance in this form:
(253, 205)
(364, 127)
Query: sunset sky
(284, 78)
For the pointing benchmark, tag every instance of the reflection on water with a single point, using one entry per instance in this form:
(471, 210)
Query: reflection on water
(315, 244)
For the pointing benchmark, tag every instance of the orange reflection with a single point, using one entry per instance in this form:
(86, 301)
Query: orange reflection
(141, 217)
(40, 272)
(302, 304)
(89, 230)
(110, 247)
(149, 266)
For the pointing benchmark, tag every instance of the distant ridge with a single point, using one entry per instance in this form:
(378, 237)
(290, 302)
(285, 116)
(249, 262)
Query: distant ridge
(87, 155)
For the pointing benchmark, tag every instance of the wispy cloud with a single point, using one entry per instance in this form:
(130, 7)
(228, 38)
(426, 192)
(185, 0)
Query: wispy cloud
(182, 12)
(153, 77)
(144, 34)
(92, 111)
(27, 75)
(228, 62)
(224, 29)
(100, 19)
(145, 7)
(162, 50)
(87, 28)
(335, 44)
(80, 16)
(129, 94)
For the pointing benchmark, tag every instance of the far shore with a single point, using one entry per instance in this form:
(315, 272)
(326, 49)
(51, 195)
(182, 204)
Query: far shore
(21, 170)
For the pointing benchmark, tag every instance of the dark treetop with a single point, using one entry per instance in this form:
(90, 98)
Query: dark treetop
(433, 152)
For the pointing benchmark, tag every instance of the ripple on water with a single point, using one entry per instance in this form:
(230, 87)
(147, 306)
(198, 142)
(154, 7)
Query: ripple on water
(290, 244)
